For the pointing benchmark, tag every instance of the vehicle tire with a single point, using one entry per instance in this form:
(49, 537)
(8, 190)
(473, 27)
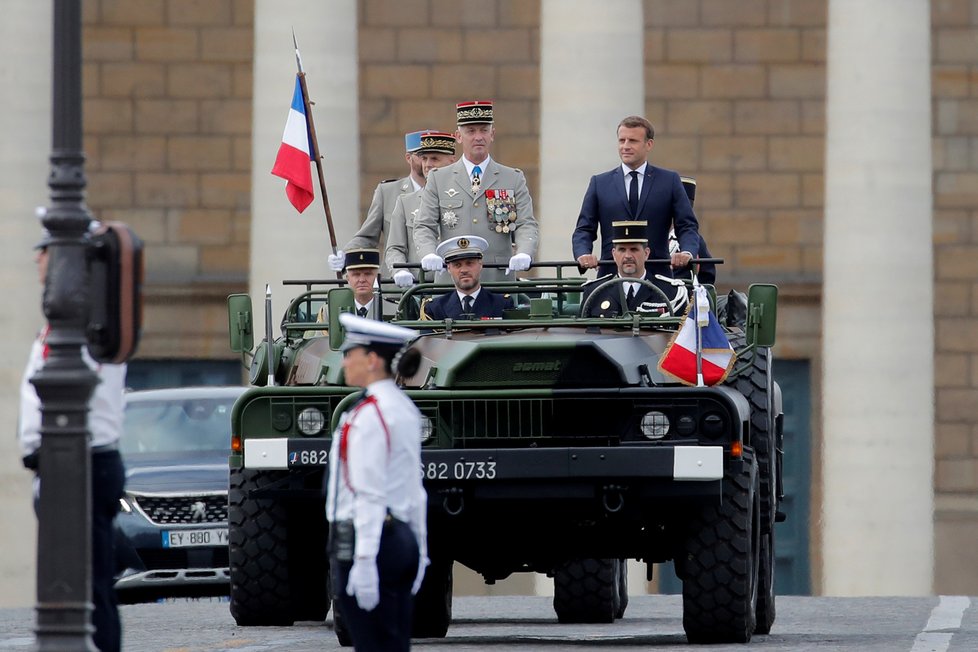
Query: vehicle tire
(757, 386)
(720, 568)
(339, 626)
(765, 585)
(622, 588)
(258, 552)
(433, 603)
(587, 591)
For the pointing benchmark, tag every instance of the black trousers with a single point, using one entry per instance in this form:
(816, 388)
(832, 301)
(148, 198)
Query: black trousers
(387, 628)
(108, 480)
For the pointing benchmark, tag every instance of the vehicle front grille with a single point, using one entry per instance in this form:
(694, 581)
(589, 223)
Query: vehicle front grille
(184, 509)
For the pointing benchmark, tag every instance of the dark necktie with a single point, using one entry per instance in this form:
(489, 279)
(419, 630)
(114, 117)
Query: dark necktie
(633, 193)
(362, 311)
(467, 304)
(476, 179)
(631, 295)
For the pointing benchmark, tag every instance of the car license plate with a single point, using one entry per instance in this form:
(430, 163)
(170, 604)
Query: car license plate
(195, 538)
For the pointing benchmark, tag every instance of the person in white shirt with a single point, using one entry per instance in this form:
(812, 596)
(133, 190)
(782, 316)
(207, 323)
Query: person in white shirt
(105, 417)
(376, 503)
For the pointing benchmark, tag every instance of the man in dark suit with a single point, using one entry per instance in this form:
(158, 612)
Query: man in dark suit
(463, 257)
(636, 190)
(630, 250)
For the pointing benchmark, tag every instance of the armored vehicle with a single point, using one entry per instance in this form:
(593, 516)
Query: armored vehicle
(552, 444)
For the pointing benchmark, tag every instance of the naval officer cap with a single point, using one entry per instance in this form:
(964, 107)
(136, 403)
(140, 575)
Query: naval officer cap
(629, 231)
(465, 246)
(474, 112)
(373, 334)
(362, 259)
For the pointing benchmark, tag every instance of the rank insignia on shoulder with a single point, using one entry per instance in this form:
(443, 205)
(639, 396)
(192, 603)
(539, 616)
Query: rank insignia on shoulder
(388, 180)
(600, 278)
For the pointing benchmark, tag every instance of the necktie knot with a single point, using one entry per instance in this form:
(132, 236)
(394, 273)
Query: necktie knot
(362, 311)
(467, 303)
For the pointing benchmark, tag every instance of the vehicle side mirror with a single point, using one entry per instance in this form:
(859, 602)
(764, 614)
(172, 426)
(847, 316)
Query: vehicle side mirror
(762, 314)
(115, 318)
(240, 323)
(339, 300)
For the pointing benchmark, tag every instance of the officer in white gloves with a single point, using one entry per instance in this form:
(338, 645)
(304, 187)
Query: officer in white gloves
(478, 196)
(376, 503)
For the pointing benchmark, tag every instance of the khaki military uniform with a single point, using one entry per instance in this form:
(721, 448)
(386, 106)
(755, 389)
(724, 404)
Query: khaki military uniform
(377, 224)
(400, 238)
(449, 209)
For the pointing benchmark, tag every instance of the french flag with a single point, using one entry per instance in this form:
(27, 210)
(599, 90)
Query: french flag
(294, 155)
(679, 359)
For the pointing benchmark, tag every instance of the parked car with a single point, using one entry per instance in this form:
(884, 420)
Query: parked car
(172, 528)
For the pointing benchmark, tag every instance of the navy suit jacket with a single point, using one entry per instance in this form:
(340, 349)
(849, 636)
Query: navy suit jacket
(663, 204)
(486, 304)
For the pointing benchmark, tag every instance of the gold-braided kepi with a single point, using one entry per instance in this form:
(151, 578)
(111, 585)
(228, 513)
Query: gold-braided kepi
(474, 112)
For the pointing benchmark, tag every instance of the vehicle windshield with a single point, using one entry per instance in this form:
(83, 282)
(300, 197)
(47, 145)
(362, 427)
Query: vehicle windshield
(164, 426)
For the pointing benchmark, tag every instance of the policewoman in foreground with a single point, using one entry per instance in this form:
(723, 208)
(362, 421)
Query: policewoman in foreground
(376, 503)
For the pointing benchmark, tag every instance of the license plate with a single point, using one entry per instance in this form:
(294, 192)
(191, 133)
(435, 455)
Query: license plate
(195, 538)
(308, 452)
(459, 470)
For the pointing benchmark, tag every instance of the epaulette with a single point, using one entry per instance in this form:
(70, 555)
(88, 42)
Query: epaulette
(388, 181)
(600, 278)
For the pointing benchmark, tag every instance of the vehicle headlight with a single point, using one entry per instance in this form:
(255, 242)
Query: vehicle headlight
(124, 506)
(427, 428)
(311, 421)
(655, 425)
(686, 425)
(713, 424)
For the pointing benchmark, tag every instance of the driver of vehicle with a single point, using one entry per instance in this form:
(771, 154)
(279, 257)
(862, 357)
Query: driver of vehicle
(630, 249)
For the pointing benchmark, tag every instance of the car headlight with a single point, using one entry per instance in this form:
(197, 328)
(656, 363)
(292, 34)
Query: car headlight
(713, 424)
(311, 421)
(655, 425)
(686, 425)
(427, 428)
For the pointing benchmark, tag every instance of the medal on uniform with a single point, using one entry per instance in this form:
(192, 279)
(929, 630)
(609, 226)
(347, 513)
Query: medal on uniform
(450, 219)
(501, 210)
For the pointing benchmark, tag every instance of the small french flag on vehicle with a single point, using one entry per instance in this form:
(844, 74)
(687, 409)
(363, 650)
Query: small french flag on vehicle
(293, 159)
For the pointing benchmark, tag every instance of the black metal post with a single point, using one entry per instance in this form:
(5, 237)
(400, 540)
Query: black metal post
(65, 383)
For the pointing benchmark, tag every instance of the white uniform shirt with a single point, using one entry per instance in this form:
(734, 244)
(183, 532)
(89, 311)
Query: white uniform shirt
(375, 466)
(106, 407)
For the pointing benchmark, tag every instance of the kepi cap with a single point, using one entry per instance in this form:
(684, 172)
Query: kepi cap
(464, 246)
(372, 333)
(362, 258)
(438, 142)
(412, 140)
(474, 112)
(631, 231)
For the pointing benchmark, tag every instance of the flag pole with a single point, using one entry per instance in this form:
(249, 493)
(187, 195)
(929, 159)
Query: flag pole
(699, 334)
(314, 142)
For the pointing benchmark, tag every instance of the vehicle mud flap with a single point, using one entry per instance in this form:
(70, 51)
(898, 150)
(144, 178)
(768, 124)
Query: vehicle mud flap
(262, 591)
(587, 591)
(433, 603)
(308, 561)
(720, 564)
(765, 585)
(622, 588)
(339, 628)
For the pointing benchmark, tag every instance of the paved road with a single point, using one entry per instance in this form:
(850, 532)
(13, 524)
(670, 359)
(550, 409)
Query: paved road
(865, 624)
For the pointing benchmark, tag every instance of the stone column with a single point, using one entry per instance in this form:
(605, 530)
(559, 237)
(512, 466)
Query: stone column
(285, 244)
(878, 325)
(592, 75)
(25, 122)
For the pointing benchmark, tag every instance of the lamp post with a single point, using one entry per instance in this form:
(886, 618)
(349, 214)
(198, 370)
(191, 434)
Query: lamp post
(65, 383)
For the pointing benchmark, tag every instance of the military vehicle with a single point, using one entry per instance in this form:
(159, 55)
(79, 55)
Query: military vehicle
(552, 444)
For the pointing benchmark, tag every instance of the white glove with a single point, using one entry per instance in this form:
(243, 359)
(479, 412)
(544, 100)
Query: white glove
(403, 278)
(364, 583)
(423, 562)
(519, 263)
(337, 260)
(432, 263)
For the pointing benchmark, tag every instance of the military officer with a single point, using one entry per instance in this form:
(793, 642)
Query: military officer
(378, 219)
(470, 300)
(362, 271)
(376, 503)
(437, 150)
(630, 249)
(477, 196)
